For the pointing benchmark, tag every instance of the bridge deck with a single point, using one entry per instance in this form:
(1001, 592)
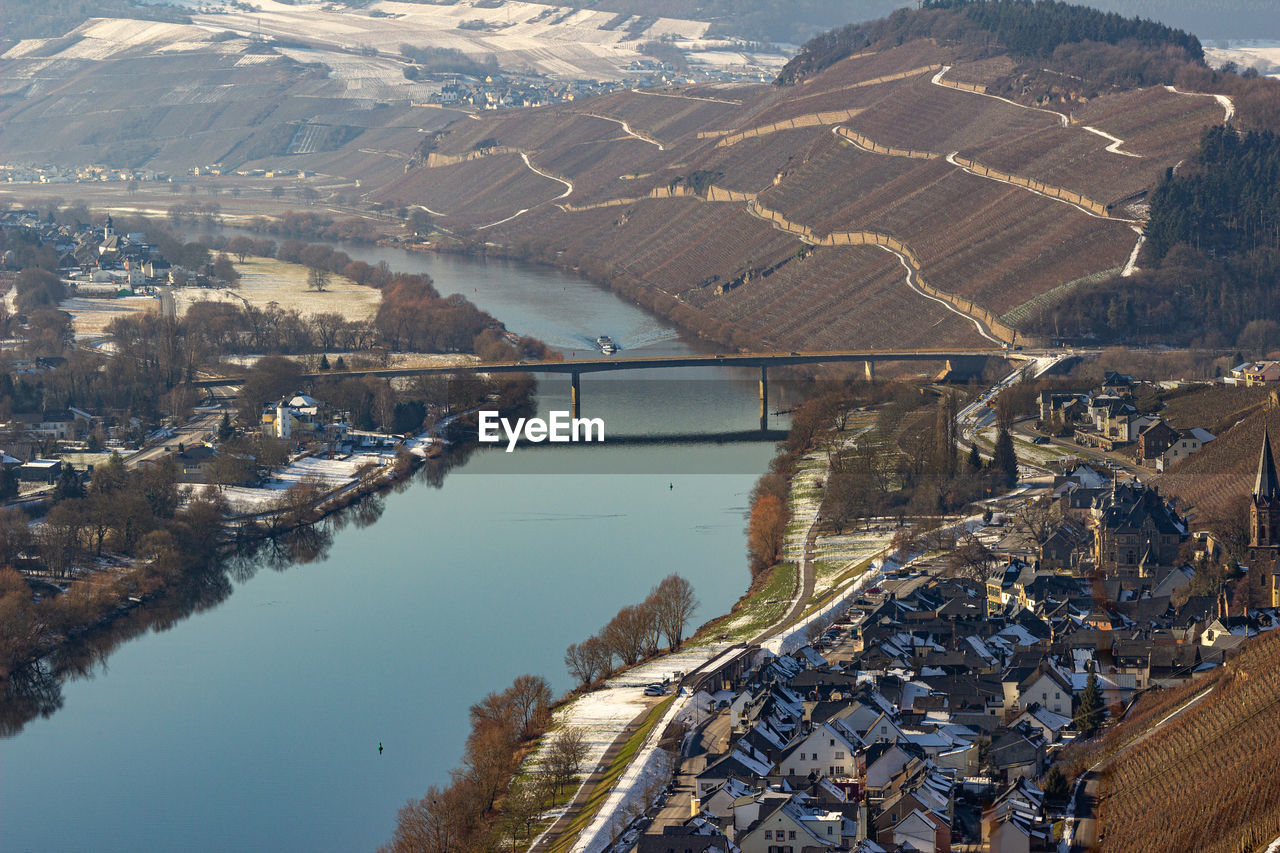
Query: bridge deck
(597, 365)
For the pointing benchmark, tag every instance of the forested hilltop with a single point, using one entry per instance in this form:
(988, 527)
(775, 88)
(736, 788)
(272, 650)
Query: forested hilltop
(1091, 51)
(1212, 257)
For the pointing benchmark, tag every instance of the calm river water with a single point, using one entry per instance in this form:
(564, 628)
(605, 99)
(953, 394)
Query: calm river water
(255, 724)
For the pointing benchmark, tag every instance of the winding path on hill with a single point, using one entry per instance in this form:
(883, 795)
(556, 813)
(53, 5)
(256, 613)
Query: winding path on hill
(1052, 193)
(1131, 265)
(911, 283)
(1116, 142)
(869, 145)
(1228, 105)
(686, 97)
(795, 123)
(979, 89)
(626, 128)
(568, 189)
(987, 325)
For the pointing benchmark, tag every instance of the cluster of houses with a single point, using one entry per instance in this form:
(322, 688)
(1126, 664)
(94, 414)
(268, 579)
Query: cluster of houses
(100, 261)
(1107, 418)
(501, 91)
(53, 174)
(48, 173)
(1253, 374)
(927, 718)
(495, 91)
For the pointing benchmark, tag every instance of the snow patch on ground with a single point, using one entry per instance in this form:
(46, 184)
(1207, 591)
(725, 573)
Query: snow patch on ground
(328, 473)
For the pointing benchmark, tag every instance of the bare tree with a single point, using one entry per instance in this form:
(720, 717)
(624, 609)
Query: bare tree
(437, 823)
(1039, 521)
(625, 634)
(580, 663)
(676, 604)
(971, 559)
(521, 807)
(653, 634)
(600, 655)
(530, 702)
(488, 763)
(565, 755)
(318, 279)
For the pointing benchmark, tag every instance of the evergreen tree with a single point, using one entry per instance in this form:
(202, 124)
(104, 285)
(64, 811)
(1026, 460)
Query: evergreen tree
(1090, 714)
(324, 361)
(1005, 460)
(975, 459)
(8, 483)
(225, 430)
(68, 485)
(340, 364)
(1055, 784)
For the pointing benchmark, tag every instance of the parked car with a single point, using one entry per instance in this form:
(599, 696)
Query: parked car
(654, 690)
(1040, 439)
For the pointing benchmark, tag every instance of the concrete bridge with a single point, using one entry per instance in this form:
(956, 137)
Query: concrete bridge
(576, 367)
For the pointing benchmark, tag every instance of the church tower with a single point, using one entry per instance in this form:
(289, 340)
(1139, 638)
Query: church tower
(1264, 511)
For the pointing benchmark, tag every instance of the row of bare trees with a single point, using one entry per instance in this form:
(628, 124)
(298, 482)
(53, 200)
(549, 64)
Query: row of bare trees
(636, 632)
(486, 804)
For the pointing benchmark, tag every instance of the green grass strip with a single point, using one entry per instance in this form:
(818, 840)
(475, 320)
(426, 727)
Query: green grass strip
(611, 775)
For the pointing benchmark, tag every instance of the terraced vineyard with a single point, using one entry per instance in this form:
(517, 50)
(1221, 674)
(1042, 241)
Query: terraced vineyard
(1209, 482)
(1194, 767)
(997, 203)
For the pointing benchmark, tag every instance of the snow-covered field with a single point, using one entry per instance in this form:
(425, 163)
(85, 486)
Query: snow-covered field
(90, 317)
(550, 40)
(266, 281)
(103, 38)
(604, 714)
(1264, 56)
(329, 473)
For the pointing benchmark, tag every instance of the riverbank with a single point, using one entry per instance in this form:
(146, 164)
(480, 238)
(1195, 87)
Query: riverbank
(775, 613)
(380, 590)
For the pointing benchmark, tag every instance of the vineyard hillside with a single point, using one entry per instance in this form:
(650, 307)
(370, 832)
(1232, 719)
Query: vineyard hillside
(1210, 483)
(885, 199)
(1212, 766)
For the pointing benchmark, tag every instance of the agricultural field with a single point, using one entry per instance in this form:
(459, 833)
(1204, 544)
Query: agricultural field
(478, 192)
(977, 238)
(926, 117)
(266, 281)
(1210, 482)
(1216, 408)
(673, 120)
(91, 316)
(564, 43)
(1192, 767)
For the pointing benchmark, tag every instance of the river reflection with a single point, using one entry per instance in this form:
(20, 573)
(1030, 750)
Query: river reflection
(250, 721)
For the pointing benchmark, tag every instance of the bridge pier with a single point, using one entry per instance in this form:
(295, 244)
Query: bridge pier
(764, 398)
(871, 371)
(575, 394)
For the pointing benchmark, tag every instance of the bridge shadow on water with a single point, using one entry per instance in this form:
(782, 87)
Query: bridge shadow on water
(748, 436)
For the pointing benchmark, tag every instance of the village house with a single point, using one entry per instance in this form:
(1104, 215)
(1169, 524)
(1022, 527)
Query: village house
(1137, 533)
(1154, 440)
(1189, 441)
(296, 414)
(1254, 373)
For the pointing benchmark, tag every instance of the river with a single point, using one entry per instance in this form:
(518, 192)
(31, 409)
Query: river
(255, 724)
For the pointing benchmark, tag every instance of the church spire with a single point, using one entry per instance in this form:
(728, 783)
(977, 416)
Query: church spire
(1266, 487)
